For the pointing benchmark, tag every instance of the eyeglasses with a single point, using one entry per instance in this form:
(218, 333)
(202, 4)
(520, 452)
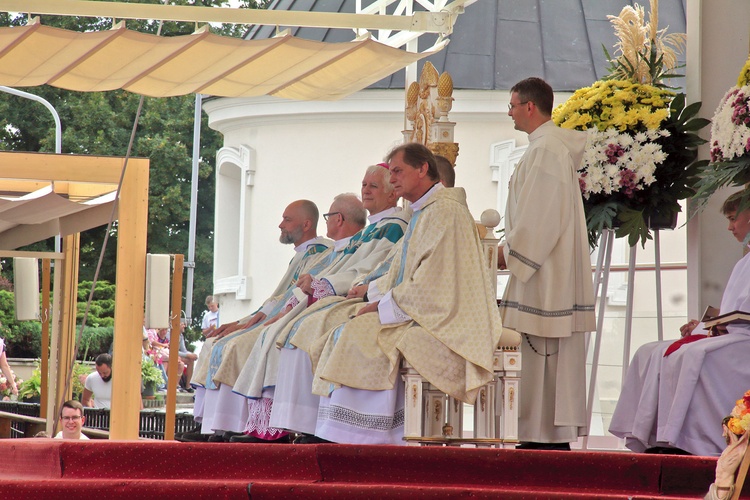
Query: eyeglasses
(511, 105)
(71, 419)
(326, 216)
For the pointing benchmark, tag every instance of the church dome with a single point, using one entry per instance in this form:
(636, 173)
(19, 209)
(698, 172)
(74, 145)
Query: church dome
(495, 43)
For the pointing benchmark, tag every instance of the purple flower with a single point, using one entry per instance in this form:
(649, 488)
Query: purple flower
(614, 152)
(627, 181)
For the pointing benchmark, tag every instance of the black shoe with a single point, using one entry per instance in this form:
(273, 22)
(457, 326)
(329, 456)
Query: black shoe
(310, 439)
(666, 450)
(531, 445)
(247, 438)
(193, 437)
(223, 437)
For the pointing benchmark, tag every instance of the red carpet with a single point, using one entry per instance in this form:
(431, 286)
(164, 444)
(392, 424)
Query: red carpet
(43, 469)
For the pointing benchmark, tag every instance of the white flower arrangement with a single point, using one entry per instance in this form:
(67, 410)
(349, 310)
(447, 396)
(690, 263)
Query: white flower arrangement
(641, 156)
(730, 145)
(620, 162)
(730, 131)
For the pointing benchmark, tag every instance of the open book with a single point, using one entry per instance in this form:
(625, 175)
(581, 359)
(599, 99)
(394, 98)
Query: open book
(710, 313)
(730, 317)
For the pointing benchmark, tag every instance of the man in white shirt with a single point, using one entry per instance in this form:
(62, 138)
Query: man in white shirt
(211, 317)
(71, 421)
(97, 392)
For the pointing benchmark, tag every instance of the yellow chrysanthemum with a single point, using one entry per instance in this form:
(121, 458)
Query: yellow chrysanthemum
(621, 104)
(744, 78)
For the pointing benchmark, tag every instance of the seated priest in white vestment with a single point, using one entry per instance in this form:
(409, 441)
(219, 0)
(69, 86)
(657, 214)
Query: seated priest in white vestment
(298, 226)
(224, 411)
(676, 394)
(434, 307)
(250, 370)
(295, 405)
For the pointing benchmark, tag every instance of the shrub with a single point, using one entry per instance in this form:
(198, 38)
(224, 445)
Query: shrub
(7, 307)
(192, 333)
(23, 339)
(94, 341)
(102, 309)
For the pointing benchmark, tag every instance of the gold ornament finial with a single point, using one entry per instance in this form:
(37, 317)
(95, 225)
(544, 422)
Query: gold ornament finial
(429, 75)
(445, 85)
(412, 94)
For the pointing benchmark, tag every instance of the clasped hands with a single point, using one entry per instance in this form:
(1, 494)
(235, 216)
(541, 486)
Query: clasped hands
(689, 327)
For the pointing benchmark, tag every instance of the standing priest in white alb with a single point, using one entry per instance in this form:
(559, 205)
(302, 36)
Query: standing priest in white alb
(549, 298)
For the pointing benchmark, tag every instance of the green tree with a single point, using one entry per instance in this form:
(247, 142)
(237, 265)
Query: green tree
(100, 123)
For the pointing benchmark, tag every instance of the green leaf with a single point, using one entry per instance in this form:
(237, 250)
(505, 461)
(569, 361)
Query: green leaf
(692, 110)
(633, 225)
(695, 124)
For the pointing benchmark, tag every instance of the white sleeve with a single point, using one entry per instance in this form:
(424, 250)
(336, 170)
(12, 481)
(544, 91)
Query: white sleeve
(389, 312)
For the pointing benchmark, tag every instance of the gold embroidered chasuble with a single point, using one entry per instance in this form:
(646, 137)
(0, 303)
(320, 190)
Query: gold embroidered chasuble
(252, 366)
(440, 280)
(304, 259)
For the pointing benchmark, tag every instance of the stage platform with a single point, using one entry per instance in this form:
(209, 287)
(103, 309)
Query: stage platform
(42, 468)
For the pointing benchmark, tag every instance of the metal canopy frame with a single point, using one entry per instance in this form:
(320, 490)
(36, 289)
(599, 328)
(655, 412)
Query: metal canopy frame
(438, 18)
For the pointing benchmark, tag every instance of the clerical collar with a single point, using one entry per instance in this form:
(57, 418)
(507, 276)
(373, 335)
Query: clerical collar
(340, 244)
(302, 247)
(417, 205)
(372, 219)
(540, 130)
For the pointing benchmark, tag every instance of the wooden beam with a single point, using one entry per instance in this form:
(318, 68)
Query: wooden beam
(63, 168)
(32, 255)
(174, 346)
(46, 313)
(67, 332)
(51, 395)
(129, 300)
(75, 191)
(427, 22)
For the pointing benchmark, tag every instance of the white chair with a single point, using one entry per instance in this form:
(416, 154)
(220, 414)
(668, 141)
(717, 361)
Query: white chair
(431, 417)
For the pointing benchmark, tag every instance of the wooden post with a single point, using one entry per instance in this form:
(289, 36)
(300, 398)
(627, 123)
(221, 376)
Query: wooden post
(129, 300)
(54, 363)
(67, 338)
(174, 345)
(741, 474)
(46, 311)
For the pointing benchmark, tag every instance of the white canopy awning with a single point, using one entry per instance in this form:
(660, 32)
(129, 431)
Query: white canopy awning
(44, 195)
(204, 63)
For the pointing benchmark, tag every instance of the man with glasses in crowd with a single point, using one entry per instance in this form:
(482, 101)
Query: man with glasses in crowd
(71, 421)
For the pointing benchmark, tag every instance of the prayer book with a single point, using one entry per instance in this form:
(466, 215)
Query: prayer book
(730, 317)
(710, 313)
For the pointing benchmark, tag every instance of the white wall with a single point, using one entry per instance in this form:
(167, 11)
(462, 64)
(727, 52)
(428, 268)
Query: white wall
(316, 150)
